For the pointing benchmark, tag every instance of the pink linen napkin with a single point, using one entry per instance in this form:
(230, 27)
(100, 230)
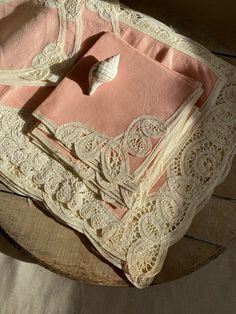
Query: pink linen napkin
(40, 39)
(144, 94)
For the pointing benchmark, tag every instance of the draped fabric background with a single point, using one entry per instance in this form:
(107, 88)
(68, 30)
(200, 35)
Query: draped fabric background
(27, 288)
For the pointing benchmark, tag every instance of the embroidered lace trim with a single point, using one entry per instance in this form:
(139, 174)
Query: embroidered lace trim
(107, 10)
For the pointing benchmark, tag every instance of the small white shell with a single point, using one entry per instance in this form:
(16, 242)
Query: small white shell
(103, 72)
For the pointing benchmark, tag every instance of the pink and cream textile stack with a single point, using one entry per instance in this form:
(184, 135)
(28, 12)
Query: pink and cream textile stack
(119, 126)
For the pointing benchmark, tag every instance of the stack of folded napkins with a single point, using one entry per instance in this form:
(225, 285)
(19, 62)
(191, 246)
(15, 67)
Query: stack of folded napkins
(119, 126)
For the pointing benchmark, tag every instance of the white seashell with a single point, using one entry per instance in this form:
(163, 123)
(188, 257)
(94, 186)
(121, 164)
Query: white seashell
(103, 72)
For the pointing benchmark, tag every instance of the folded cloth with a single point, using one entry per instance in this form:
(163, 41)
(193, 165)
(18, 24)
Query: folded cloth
(111, 130)
(53, 43)
(135, 239)
(54, 30)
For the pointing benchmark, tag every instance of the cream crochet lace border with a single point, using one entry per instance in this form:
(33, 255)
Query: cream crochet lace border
(138, 243)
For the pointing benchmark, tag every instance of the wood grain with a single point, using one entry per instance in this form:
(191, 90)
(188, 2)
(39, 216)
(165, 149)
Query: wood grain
(216, 223)
(227, 189)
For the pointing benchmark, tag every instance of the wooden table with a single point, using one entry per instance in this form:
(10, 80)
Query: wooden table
(29, 233)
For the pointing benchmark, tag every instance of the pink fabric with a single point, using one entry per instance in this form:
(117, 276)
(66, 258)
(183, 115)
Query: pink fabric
(172, 58)
(142, 87)
(24, 97)
(132, 100)
(20, 18)
(114, 105)
(16, 50)
(70, 101)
